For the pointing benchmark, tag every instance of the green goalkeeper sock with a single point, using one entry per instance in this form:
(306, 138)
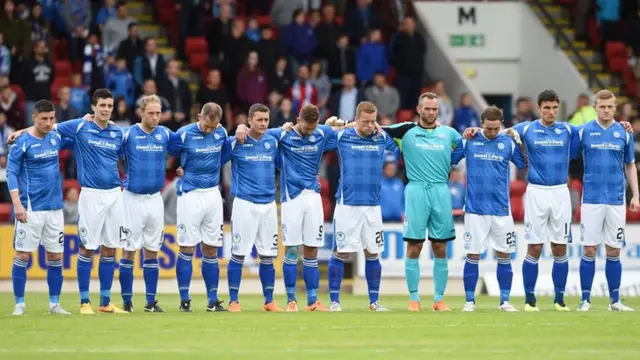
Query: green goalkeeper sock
(412, 274)
(440, 277)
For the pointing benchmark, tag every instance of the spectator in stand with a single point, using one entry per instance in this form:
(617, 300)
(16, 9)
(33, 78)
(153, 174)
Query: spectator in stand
(314, 19)
(131, 47)
(342, 60)
(280, 80)
(344, 101)
(273, 102)
(636, 130)
(584, 111)
(465, 116)
(151, 65)
(37, 79)
(607, 15)
(122, 114)
(581, 17)
(5, 58)
(94, 64)
(372, 58)
(120, 82)
(5, 131)
(219, 33)
(253, 30)
(239, 119)
(10, 108)
(626, 113)
(385, 97)
(251, 84)
(40, 29)
(77, 16)
(190, 15)
(177, 92)
(457, 190)
(150, 88)
(214, 91)
(282, 12)
(78, 96)
(327, 32)
(302, 92)
(300, 40)
(105, 13)
(284, 115)
(268, 50)
(216, 9)
(117, 28)
(262, 6)
(408, 49)
(70, 208)
(391, 194)
(322, 83)
(359, 20)
(445, 105)
(16, 32)
(235, 54)
(524, 112)
(391, 13)
(64, 110)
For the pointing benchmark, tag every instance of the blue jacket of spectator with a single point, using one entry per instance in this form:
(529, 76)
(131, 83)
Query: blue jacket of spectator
(608, 10)
(79, 99)
(464, 117)
(392, 199)
(104, 14)
(372, 58)
(300, 41)
(457, 195)
(120, 82)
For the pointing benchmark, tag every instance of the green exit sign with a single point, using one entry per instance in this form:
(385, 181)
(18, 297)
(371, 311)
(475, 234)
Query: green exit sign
(466, 40)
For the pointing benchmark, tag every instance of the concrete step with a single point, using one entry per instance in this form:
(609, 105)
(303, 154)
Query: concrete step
(150, 30)
(144, 19)
(193, 87)
(596, 67)
(606, 79)
(135, 8)
(168, 52)
(563, 22)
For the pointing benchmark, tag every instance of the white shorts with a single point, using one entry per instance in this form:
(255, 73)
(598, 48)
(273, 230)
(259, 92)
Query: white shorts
(145, 220)
(482, 230)
(200, 218)
(303, 220)
(42, 227)
(603, 222)
(254, 224)
(357, 228)
(547, 214)
(102, 219)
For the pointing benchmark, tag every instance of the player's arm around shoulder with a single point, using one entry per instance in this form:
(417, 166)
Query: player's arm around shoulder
(398, 131)
(227, 149)
(175, 145)
(632, 172)
(458, 151)
(517, 157)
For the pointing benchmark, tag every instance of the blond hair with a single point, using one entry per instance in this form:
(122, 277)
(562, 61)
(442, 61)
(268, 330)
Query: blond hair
(366, 107)
(604, 95)
(148, 99)
(211, 109)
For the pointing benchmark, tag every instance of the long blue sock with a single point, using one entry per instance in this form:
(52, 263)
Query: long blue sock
(54, 280)
(126, 280)
(311, 276)
(336, 273)
(440, 277)
(234, 275)
(504, 273)
(559, 274)
(373, 273)
(412, 276)
(290, 275)
(267, 278)
(83, 269)
(530, 277)
(106, 269)
(470, 278)
(150, 272)
(19, 277)
(613, 272)
(587, 272)
(211, 276)
(184, 270)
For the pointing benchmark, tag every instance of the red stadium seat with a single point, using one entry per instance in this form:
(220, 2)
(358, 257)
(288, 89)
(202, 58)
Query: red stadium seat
(62, 68)
(19, 94)
(518, 188)
(633, 216)
(594, 32)
(196, 45)
(198, 61)
(404, 116)
(5, 212)
(264, 20)
(70, 183)
(615, 49)
(618, 64)
(517, 208)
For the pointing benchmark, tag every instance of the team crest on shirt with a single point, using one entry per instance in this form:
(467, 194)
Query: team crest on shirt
(527, 227)
(21, 234)
(267, 146)
(216, 136)
(182, 229)
(158, 137)
(616, 134)
(112, 134)
(340, 237)
(501, 146)
(53, 142)
(312, 138)
(236, 238)
(558, 131)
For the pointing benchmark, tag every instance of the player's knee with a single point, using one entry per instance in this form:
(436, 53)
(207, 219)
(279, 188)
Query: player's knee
(265, 260)
(558, 249)
(188, 249)
(130, 255)
(85, 252)
(591, 251)
(534, 250)
(613, 252)
(310, 252)
(106, 251)
(341, 256)
(149, 254)
(473, 257)
(54, 256)
(414, 248)
(369, 256)
(439, 249)
(24, 256)
(291, 255)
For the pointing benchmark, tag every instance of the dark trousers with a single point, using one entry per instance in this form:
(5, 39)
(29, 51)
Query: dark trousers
(409, 89)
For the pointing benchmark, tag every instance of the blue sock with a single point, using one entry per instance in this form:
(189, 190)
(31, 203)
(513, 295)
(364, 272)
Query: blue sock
(412, 275)
(19, 277)
(613, 272)
(106, 269)
(211, 276)
(530, 277)
(126, 280)
(470, 278)
(267, 278)
(184, 270)
(440, 277)
(336, 273)
(290, 275)
(234, 275)
(150, 272)
(504, 273)
(54, 280)
(311, 276)
(587, 272)
(373, 273)
(85, 265)
(559, 273)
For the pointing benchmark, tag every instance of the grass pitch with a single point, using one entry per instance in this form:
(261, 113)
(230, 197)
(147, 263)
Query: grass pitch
(355, 333)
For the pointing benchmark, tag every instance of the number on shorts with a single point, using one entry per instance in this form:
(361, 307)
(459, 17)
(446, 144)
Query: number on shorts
(221, 237)
(320, 231)
(275, 240)
(566, 228)
(620, 235)
(379, 238)
(61, 238)
(511, 238)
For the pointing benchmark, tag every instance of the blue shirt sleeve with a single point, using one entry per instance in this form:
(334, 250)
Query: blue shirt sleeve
(276, 133)
(331, 139)
(576, 142)
(458, 152)
(66, 143)
(174, 148)
(226, 152)
(13, 165)
(389, 143)
(455, 137)
(519, 128)
(517, 157)
(68, 128)
(629, 151)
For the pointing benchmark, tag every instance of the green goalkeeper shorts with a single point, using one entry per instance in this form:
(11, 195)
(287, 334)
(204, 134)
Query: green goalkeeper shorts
(428, 207)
